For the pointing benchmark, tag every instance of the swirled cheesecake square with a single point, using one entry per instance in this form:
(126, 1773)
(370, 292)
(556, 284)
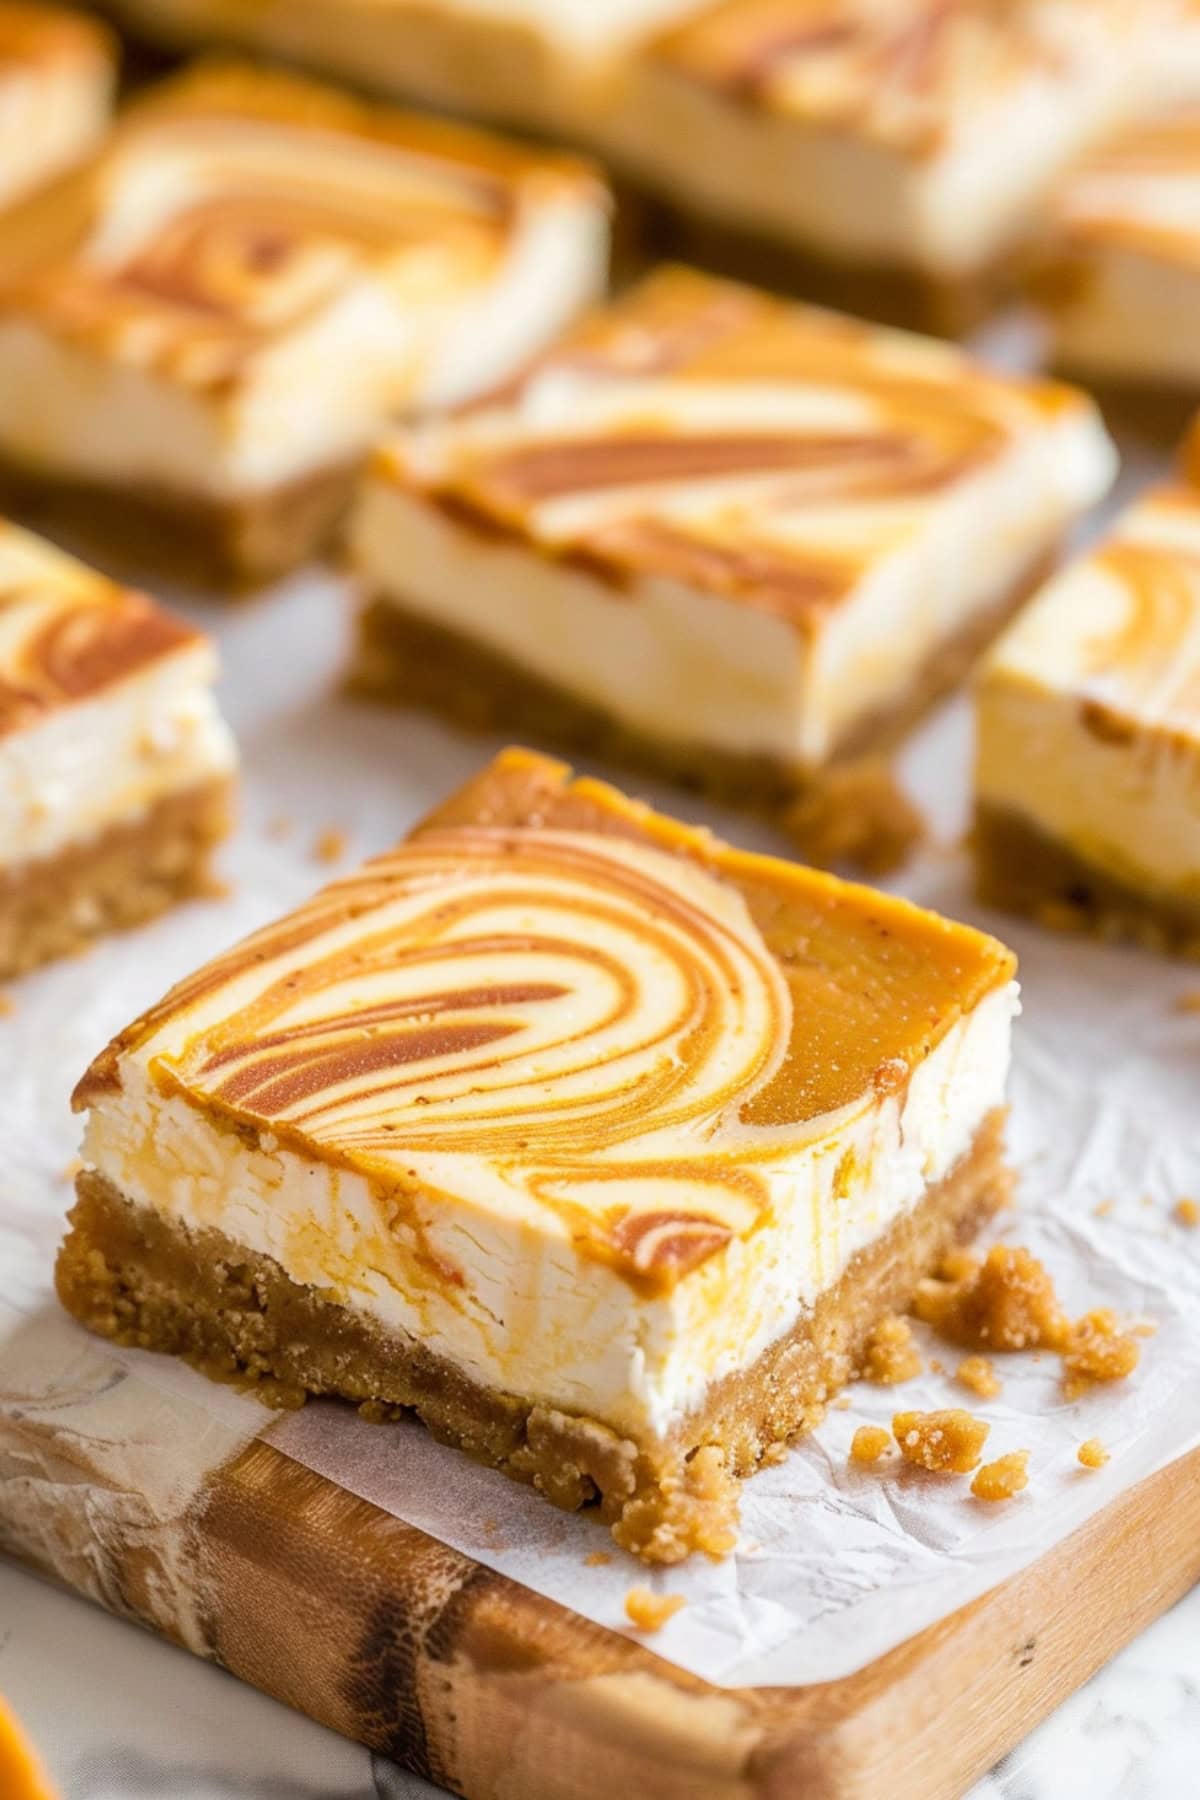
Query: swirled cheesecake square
(211, 320)
(911, 142)
(57, 73)
(116, 768)
(549, 64)
(1119, 280)
(600, 1145)
(719, 534)
(1088, 777)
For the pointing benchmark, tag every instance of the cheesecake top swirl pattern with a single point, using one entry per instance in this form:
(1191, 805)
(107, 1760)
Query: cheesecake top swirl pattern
(67, 633)
(915, 75)
(702, 431)
(1140, 193)
(1122, 626)
(570, 1024)
(232, 207)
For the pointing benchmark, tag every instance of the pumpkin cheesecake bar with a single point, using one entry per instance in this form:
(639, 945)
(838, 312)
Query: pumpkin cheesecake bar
(718, 534)
(57, 74)
(211, 320)
(1088, 778)
(1120, 278)
(544, 63)
(898, 149)
(116, 769)
(598, 1144)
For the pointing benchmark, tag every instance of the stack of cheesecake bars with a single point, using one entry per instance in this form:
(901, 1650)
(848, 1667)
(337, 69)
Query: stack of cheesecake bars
(599, 1143)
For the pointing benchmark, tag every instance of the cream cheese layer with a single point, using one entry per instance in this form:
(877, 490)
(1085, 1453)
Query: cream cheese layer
(502, 1093)
(106, 704)
(1089, 708)
(728, 521)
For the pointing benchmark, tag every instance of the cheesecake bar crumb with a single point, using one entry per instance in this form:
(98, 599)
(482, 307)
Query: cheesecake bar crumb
(946, 1443)
(891, 1356)
(1004, 1478)
(1189, 1002)
(1186, 1212)
(330, 845)
(648, 1611)
(869, 1444)
(978, 1374)
(857, 815)
(695, 1507)
(8, 1006)
(1092, 1454)
(1099, 1350)
(598, 1559)
(1006, 1302)
(1103, 1209)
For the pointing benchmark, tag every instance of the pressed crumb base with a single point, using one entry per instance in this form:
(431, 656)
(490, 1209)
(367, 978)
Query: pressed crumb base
(1021, 870)
(127, 875)
(237, 545)
(849, 810)
(128, 1274)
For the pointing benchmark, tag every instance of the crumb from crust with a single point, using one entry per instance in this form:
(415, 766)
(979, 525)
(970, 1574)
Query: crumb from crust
(8, 1006)
(857, 814)
(648, 1611)
(1100, 1350)
(842, 1405)
(978, 1374)
(695, 1508)
(1006, 1302)
(330, 846)
(1189, 1002)
(1103, 1209)
(869, 1443)
(946, 1443)
(1004, 1478)
(1186, 1212)
(890, 1355)
(598, 1559)
(1092, 1454)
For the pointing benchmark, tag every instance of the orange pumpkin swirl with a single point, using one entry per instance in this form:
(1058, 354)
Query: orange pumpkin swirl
(571, 1008)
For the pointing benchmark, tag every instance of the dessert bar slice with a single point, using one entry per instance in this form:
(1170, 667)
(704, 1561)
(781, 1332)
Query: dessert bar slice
(545, 63)
(57, 72)
(597, 1143)
(116, 769)
(213, 318)
(1120, 282)
(1088, 780)
(900, 148)
(719, 534)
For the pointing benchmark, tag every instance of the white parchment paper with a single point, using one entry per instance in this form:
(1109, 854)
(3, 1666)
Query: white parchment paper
(836, 1566)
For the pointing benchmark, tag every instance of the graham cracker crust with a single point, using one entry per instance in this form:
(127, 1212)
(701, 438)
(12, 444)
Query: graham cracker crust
(233, 546)
(130, 873)
(1021, 870)
(129, 1274)
(404, 659)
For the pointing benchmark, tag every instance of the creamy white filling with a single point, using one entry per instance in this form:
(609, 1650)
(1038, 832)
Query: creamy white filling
(1134, 318)
(1131, 807)
(49, 118)
(510, 1300)
(691, 667)
(312, 403)
(107, 760)
(849, 196)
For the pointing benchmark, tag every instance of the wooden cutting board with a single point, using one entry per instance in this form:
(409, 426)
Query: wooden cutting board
(197, 1529)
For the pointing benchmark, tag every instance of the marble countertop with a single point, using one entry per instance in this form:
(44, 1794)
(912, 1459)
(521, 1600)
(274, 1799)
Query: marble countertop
(121, 1716)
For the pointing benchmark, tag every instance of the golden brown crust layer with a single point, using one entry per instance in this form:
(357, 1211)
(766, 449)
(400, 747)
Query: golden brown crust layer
(405, 659)
(128, 875)
(130, 1275)
(1019, 868)
(236, 546)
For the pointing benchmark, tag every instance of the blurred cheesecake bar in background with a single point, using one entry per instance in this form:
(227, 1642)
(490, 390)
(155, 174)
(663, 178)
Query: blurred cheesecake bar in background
(1088, 779)
(717, 534)
(209, 323)
(548, 64)
(1120, 282)
(116, 769)
(601, 1145)
(57, 74)
(899, 149)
